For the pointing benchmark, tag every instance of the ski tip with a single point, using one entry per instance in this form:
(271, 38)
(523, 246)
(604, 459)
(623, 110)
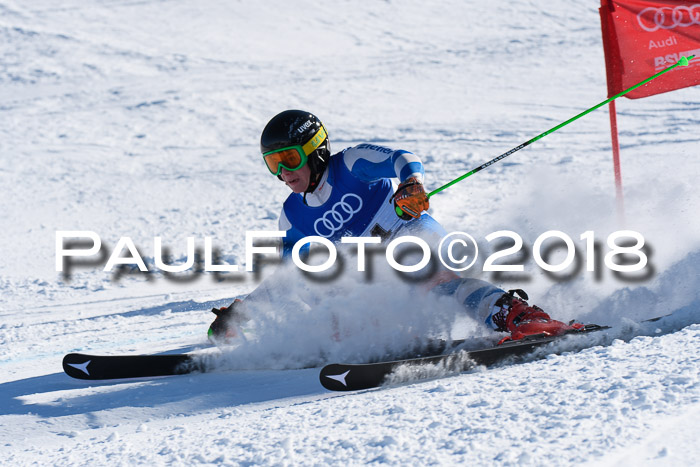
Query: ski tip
(333, 377)
(77, 365)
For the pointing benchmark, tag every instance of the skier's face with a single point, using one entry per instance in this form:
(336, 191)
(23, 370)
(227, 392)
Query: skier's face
(297, 181)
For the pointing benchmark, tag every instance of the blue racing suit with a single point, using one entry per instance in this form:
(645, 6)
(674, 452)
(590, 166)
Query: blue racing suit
(353, 198)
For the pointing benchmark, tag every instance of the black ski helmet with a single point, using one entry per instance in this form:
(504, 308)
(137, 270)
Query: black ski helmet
(297, 127)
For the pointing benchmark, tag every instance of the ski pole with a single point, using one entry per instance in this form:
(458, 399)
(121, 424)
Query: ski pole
(682, 62)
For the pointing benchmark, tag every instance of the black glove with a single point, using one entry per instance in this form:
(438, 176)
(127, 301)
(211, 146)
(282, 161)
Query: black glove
(227, 321)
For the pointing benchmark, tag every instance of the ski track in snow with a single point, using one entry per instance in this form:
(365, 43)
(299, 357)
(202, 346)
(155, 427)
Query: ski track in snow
(141, 119)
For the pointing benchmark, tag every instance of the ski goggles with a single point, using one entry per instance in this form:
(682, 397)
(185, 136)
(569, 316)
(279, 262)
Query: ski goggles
(293, 157)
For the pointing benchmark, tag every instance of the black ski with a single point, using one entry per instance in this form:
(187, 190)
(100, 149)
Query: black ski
(336, 377)
(352, 377)
(83, 366)
(104, 367)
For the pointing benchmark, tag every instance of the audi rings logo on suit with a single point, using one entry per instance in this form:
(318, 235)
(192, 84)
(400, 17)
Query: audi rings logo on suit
(340, 214)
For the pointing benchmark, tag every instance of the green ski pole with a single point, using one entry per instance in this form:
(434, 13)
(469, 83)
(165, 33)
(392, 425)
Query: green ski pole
(682, 62)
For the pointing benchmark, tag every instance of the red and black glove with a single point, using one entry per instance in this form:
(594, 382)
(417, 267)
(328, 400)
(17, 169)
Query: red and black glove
(410, 199)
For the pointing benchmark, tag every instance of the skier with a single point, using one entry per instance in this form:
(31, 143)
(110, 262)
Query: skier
(351, 194)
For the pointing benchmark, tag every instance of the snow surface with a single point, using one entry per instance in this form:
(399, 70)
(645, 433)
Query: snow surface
(141, 119)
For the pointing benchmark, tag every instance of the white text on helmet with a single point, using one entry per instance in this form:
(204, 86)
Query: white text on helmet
(303, 128)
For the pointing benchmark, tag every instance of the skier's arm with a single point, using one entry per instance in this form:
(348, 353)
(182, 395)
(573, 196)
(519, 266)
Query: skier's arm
(262, 292)
(292, 236)
(369, 163)
(262, 297)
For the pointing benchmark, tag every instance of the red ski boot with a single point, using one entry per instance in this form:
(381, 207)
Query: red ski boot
(521, 320)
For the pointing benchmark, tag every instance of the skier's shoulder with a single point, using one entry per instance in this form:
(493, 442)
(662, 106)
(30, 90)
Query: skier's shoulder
(366, 151)
(372, 148)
